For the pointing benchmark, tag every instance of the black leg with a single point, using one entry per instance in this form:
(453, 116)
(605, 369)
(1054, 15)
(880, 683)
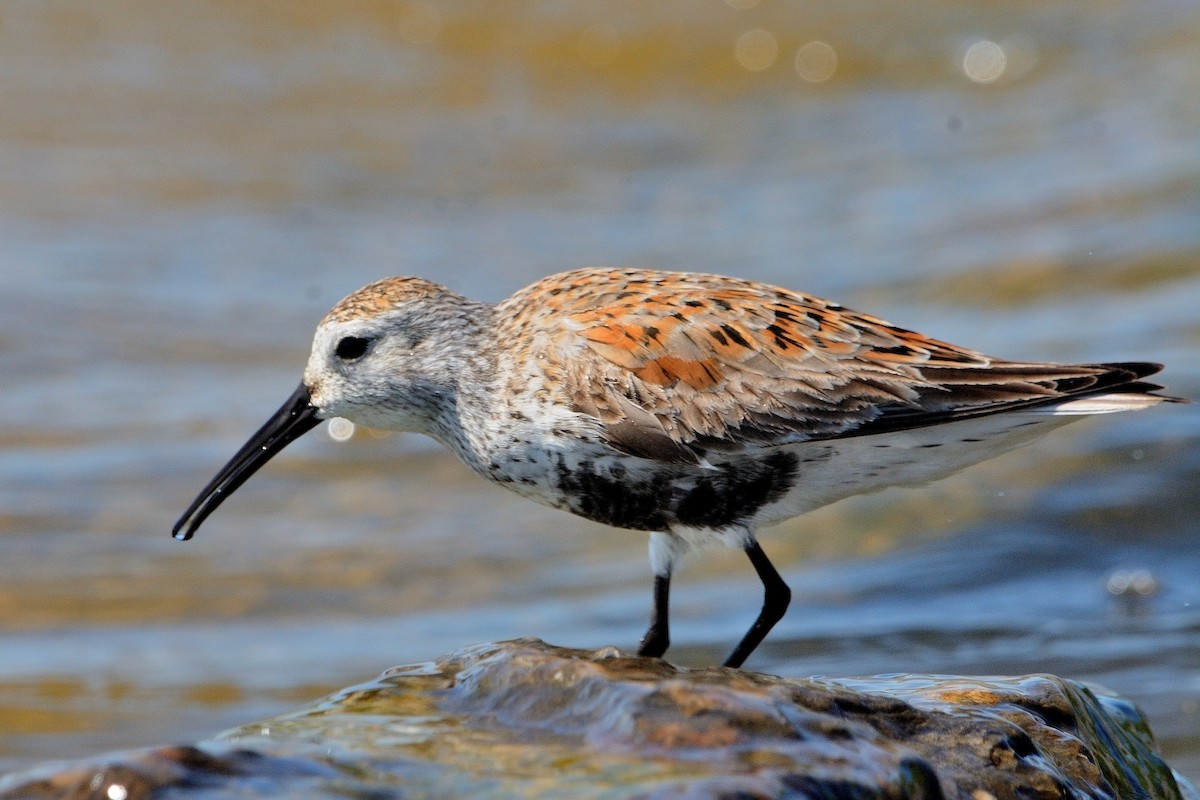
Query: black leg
(658, 637)
(776, 596)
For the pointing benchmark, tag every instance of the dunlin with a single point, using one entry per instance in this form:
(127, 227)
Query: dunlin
(699, 408)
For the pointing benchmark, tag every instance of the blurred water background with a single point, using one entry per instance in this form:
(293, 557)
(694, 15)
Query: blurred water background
(186, 187)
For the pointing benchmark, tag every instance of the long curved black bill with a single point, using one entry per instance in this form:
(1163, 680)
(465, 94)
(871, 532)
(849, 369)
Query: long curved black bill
(293, 419)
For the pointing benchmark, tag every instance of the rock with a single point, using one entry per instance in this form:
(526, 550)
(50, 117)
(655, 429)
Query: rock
(523, 718)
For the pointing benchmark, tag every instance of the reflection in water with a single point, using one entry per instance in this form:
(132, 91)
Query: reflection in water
(190, 187)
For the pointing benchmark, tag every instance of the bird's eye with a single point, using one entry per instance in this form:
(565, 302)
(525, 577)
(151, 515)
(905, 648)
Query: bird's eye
(351, 348)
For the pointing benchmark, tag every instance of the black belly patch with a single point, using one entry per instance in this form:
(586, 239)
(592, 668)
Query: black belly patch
(737, 491)
(614, 498)
(678, 496)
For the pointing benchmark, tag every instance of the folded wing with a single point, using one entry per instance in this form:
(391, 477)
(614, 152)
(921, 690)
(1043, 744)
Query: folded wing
(675, 365)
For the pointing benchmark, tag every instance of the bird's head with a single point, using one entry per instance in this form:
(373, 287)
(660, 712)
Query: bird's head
(387, 356)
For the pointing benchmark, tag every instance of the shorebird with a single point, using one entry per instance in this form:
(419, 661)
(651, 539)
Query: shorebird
(698, 408)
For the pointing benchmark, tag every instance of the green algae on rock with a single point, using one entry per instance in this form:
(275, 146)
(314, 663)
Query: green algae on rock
(525, 719)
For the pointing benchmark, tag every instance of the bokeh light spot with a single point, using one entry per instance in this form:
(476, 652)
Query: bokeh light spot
(339, 429)
(1132, 581)
(984, 61)
(816, 62)
(756, 50)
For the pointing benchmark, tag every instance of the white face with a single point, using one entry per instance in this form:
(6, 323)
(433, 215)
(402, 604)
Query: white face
(382, 372)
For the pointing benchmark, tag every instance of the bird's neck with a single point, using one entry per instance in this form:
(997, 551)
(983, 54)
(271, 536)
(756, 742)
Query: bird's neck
(465, 402)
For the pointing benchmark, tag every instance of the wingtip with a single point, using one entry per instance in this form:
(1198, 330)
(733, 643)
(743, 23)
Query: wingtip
(1110, 403)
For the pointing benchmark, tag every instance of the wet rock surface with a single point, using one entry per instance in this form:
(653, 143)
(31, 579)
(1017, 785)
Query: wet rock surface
(523, 718)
